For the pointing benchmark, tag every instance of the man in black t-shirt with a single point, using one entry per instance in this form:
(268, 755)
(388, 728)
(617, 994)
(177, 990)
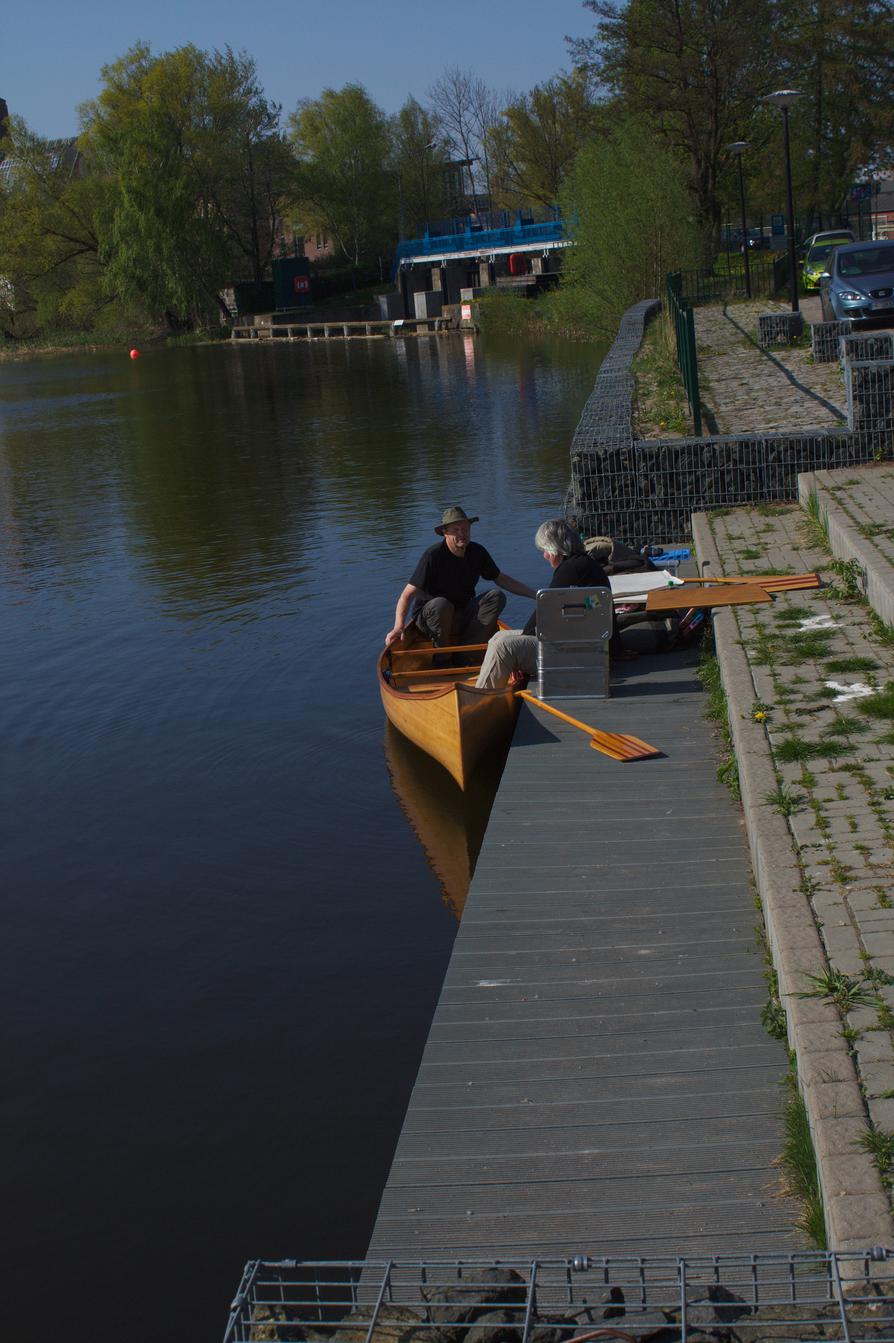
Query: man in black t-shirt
(441, 590)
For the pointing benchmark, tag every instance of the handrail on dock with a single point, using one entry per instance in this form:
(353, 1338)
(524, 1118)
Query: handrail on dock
(328, 330)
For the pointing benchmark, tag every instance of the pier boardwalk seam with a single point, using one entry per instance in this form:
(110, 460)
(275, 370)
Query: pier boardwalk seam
(857, 1207)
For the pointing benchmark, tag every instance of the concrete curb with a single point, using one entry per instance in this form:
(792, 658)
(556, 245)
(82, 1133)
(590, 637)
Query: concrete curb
(875, 578)
(857, 1207)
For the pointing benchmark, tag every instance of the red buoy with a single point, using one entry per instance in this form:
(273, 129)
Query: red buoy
(134, 354)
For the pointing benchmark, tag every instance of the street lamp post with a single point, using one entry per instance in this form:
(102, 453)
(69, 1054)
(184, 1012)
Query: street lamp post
(738, 150)
(784, 98)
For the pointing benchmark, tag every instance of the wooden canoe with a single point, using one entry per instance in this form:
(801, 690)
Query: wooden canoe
(444, 713)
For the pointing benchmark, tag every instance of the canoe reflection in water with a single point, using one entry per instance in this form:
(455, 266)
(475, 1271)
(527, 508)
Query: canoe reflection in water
(449, 822)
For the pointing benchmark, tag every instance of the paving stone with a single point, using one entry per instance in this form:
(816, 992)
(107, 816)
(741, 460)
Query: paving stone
(881, 1112)
(875, 1047)
(879, 944)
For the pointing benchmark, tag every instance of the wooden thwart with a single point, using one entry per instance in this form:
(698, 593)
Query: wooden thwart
(736, 594)
(769, 582)
(439, 673)
(617, 745)
(428, 651)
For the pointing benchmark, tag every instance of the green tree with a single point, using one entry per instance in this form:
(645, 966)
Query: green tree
(52, 218)
(840, 54)
(344, 185)
(635, 222)
(200, 168)
(420, 166)
(695, 70)
(537, 139)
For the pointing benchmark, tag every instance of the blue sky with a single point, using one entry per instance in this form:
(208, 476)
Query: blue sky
(52, 51)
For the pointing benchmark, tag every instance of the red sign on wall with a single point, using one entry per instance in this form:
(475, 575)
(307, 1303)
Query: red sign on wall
(301, 284)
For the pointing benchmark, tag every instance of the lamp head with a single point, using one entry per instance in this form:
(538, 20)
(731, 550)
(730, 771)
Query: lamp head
(782, 97)
(738, 147)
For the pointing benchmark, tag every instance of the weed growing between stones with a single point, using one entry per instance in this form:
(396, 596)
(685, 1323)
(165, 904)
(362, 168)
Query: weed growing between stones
(848, 588)
(880, 705)
(792, 749)
(751, 553)
(845, 725)
(813, 527)
(845, 991)
(854, 664)
(880, 1146)
(881, 630)
(784, 800)
(790, 615)
(716, 709)
(798, 1164)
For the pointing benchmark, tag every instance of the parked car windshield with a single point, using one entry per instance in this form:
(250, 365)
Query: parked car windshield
(870, 261)
(822, 249)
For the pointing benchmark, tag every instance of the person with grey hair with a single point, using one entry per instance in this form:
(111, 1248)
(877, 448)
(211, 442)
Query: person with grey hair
(512, 654)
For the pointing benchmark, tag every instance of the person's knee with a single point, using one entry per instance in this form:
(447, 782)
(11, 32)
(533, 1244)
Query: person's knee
(436, 617)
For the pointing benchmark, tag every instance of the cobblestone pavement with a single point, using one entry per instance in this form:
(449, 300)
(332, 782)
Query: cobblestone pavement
(749, 389)
(818, 661)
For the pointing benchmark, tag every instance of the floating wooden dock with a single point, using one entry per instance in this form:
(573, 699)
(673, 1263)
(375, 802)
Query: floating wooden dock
(597, 1079)
(286, 331)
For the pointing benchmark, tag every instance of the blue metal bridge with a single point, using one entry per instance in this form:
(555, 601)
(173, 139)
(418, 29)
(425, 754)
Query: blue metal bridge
(487, 235)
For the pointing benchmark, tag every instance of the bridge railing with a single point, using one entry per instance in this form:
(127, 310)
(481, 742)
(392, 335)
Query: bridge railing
(476, 239)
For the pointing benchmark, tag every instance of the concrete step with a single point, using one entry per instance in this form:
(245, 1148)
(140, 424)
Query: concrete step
(856, 507)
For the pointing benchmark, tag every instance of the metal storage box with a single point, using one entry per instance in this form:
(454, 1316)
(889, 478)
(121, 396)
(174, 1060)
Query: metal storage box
(574, 626)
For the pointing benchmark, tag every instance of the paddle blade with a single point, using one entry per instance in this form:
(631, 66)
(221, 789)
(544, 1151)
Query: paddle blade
(620, 746)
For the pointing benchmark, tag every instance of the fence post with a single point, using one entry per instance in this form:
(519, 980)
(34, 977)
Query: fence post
(687, 354)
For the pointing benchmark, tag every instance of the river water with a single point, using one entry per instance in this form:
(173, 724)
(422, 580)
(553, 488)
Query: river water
(222, 943)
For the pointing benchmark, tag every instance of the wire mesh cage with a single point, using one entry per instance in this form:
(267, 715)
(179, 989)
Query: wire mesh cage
(831, 1296)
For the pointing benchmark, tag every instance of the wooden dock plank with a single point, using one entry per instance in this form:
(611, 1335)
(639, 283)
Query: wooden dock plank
(596, 1078)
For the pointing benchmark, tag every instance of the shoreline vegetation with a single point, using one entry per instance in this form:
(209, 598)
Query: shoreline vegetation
(185, 178)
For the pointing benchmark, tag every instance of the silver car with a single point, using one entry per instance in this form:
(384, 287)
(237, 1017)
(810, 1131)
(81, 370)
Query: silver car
(859, 282)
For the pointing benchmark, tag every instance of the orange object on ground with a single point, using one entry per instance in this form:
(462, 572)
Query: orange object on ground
(681, 599)
(769, 582)
(618, 745)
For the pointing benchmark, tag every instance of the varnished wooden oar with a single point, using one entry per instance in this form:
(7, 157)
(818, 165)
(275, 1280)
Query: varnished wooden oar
(618, 745)
(769, 582)
(680, 599)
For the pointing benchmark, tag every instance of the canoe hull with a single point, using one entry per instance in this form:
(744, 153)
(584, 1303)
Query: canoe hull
(455, 724)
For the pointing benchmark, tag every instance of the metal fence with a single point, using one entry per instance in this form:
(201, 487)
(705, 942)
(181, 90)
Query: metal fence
(711, 285)
(682, 316)
(837, 1297)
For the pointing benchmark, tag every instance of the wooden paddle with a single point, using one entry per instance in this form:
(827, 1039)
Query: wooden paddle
(769, 582)
(617, 745)
(681, 599)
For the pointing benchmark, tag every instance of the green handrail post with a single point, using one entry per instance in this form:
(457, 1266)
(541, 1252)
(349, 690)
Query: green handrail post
(687, 356)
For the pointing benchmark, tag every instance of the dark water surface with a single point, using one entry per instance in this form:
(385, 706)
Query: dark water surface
(221, 942)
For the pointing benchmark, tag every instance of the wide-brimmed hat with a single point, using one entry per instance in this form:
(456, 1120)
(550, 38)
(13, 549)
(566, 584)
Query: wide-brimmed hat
(451, 515)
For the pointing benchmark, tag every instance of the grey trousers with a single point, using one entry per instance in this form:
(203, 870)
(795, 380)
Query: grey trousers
(447, 624)
(508, 651)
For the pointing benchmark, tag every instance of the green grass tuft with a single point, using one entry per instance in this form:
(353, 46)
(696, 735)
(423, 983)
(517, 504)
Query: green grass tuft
(880, 705)
(798, 1164)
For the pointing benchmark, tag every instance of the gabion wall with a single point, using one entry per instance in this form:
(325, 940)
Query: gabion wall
(646, 491)
(825, 338)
